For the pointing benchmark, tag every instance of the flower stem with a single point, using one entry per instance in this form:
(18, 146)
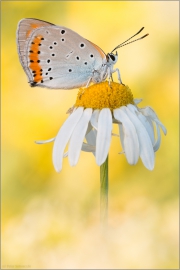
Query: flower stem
(104, 193)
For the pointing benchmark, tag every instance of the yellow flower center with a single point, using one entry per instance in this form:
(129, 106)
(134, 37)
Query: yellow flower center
(102, 95)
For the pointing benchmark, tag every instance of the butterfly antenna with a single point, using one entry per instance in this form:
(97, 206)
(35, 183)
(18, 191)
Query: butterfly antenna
(124, 43)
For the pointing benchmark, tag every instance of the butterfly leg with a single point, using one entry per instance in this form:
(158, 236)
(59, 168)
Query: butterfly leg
(109, 75)
(88, 82)
(118, 74)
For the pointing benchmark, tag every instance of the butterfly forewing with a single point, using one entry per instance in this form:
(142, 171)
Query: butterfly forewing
(57, 57)
(24, 30)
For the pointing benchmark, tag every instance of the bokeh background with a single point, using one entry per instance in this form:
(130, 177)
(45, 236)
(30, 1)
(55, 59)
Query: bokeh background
(51, 220)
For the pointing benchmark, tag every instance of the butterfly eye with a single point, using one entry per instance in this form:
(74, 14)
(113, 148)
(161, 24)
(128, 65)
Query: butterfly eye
(113, 58)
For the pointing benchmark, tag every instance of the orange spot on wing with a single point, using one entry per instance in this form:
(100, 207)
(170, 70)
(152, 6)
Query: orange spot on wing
(37, 78)
(34, 57)
(37, 39)
(32, 27)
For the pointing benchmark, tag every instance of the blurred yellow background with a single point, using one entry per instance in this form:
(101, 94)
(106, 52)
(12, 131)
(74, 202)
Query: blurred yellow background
(51, 220)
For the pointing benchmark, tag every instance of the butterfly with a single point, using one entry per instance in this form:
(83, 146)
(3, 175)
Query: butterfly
(56, 57)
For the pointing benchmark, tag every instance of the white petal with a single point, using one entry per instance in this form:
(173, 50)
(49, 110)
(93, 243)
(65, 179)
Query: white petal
(45, 141)
(94, 118)
(146, 148)
(158, 141)
(137, 100)
(89, 128)
(63, 136)
(151, 123)
(88, 147)
(77, 137)
(103, 135)
(121, 133)
(91, 138)
(130, 141)
(85, 147)
(148, 111)
(161, 125)
(144, 121)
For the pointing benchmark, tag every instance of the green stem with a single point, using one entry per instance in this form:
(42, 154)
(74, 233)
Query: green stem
(104, 192)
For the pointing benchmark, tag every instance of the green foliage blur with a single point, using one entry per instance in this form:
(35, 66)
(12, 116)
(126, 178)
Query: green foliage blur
(51, 220)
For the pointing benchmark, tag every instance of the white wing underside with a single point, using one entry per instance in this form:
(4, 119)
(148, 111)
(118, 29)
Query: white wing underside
(71, 65)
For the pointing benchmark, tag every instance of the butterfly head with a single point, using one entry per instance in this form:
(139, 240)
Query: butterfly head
(112, 58)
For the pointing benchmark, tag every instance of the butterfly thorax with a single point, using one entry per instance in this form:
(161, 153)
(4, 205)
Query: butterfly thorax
(100, 73)
(106, 68)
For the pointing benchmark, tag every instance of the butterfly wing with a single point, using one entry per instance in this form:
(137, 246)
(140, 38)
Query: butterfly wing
(24, 30)
(56, 57)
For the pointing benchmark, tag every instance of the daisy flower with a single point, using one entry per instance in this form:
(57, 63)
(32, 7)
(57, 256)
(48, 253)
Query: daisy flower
(97, 108)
